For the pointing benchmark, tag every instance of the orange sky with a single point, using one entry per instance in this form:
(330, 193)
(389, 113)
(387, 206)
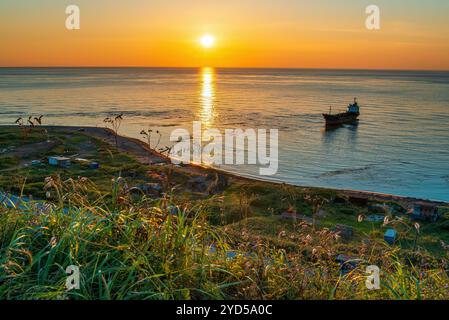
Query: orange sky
(285, 33)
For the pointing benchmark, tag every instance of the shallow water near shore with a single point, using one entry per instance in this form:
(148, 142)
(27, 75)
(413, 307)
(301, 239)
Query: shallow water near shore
(400, 145)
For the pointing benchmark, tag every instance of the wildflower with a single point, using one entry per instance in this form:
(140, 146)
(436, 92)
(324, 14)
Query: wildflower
(386, 221)
(53, 242)
(360, 218)
(49, 182)
(421, 276)
(417, 226)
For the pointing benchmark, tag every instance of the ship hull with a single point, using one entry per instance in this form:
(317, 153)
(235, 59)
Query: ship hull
(341, 118)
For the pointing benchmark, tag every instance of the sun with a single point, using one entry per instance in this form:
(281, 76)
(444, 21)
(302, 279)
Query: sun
(207, 41)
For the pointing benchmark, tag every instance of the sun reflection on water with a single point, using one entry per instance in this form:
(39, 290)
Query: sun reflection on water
(207, 97)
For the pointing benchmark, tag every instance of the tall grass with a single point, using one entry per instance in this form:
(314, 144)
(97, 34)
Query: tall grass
(129, 246)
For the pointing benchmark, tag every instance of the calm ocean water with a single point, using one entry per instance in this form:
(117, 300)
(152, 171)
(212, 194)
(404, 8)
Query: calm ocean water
(400, 146)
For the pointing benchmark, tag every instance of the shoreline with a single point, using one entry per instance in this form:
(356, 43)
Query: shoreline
(139, 149)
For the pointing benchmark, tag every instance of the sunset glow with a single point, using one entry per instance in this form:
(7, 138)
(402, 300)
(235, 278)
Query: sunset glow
(285, 34)
(258, 153)
(207, 41)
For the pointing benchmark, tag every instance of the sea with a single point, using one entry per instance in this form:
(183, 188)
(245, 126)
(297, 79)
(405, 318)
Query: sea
(400, 144)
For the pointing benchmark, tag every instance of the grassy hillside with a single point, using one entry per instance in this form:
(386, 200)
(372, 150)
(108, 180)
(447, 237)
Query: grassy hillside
(180, 243)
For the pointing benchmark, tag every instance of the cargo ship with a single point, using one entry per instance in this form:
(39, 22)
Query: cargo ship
(350, 116)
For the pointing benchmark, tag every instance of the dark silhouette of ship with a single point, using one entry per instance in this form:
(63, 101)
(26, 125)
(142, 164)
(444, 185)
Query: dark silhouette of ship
(350, 116)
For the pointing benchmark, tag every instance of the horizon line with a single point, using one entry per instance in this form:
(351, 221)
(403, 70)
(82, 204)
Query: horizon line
(202, 67)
